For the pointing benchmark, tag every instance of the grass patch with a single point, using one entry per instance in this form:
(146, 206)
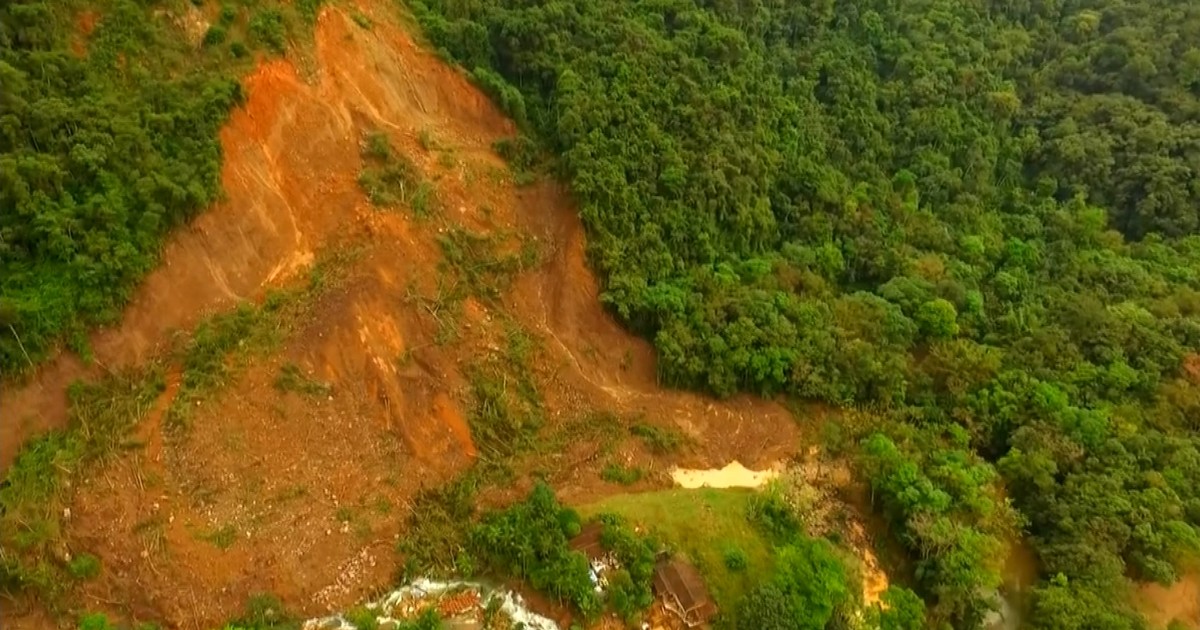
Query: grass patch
(292, 379)
(391, 179)
(702, 525)
(101, 416)
(85, 566)
(624, 475)
(222, 538)
(658, 439)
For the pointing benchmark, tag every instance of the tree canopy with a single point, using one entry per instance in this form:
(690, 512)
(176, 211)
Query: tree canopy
(980, 218)
(108, 139)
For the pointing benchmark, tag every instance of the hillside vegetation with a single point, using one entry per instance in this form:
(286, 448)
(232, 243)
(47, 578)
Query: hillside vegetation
(979, 218)
(108, 139)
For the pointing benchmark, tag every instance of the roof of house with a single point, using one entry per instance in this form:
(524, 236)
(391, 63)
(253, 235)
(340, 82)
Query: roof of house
(681, 582)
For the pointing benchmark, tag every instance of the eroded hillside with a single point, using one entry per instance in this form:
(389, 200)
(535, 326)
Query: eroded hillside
(293, 471)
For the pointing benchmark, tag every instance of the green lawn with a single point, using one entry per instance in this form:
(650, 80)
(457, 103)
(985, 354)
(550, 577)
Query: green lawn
(702, 525)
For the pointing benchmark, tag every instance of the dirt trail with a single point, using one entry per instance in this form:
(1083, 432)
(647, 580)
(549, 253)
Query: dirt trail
(305, 495)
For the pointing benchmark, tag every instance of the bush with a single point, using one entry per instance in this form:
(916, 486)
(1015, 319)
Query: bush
(95, 621)
(735, 559)
(509, 97)
(529, 541)
(84, 566)
(267, 29)
(636, 556)
(770, 512)
(215, 35)
(808, 587)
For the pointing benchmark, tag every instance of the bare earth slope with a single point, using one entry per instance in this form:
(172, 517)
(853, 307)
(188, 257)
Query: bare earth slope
(312, 491)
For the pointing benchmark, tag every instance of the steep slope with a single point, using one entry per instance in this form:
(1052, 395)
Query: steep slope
(303, 496)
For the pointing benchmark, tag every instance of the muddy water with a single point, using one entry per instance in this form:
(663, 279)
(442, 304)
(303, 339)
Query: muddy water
(734, 475)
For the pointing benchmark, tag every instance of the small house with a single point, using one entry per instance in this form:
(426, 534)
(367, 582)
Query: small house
(680, 587)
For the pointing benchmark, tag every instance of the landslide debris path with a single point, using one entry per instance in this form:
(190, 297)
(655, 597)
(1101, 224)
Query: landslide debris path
(305, 495)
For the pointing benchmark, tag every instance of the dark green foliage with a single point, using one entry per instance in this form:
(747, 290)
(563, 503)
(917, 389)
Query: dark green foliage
(521, 153)
(427, 620)
(529, 541)
(939, 498)
(308, 9)
(509, 97)
(362, 618)
(438, 527)
(630, 590)
(215, 35)
(770, 512)
(267, 29)
(977, 218)
(808, 586)
(735, 559)
(98, 160)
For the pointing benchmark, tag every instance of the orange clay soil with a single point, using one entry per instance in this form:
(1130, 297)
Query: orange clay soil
(308, 494)
(1178, 602)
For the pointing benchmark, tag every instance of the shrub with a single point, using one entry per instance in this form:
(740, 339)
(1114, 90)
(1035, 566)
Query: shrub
(529, 540)
(809, 585)
(624, 475)
(267, 29)
(85, 566)
(735, 559)
(95, 621)
(509, 97)
(215, 35)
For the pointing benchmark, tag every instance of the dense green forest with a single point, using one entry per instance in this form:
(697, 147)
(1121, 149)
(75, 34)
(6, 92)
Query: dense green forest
(976, 219)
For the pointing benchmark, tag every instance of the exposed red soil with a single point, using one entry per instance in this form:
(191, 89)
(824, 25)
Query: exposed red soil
(310, 492)
(1178, 602)
(85, 23)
